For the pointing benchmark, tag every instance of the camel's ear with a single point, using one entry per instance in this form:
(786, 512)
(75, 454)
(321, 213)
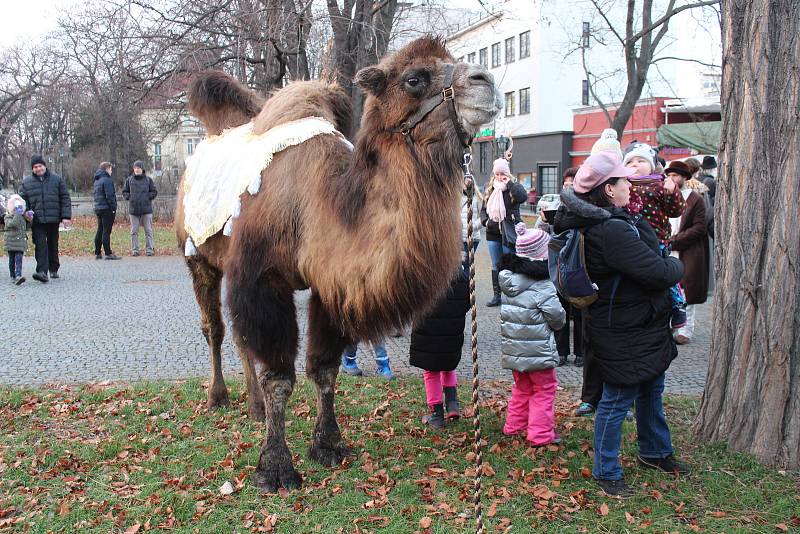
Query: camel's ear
(371, 80)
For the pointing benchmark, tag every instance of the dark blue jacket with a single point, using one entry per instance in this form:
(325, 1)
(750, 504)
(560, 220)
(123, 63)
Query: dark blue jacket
(105, 198)
(627, 327)
(48, 197)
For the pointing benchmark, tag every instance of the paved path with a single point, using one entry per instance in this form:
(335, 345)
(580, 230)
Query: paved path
(137, 319)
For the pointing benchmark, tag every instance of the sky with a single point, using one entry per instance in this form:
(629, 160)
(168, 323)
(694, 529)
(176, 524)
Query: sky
(23, 19)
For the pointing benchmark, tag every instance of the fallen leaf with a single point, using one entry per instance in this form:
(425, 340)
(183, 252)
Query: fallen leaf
(717, 513)
(783, 527)
(133, 529)
(603, 510)
(425, 522)
(629, 518)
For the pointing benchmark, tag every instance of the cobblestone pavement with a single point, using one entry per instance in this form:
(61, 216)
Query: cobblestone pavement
(137, 319)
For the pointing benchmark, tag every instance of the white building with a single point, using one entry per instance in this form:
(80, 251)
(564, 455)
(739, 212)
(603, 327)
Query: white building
(535, 49)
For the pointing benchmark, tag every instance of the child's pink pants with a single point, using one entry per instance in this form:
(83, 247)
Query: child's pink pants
(531, 407)
(435, 381)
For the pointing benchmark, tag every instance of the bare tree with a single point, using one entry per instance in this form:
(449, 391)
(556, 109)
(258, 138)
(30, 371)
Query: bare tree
(752, 393)
(361, 32)
(639, 37)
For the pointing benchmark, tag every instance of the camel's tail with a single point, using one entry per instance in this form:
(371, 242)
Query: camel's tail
(220, 101)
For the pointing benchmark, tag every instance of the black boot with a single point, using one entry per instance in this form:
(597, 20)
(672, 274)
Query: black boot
(451, 402)
(496, 287)
(436, 418)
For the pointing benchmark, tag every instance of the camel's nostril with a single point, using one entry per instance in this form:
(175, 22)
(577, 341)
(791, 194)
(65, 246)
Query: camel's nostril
(481, 77)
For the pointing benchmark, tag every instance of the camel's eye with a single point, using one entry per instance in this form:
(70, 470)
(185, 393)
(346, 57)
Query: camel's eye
(416, 82)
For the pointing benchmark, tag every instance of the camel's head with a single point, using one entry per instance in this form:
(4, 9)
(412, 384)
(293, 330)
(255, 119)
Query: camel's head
(412, 79)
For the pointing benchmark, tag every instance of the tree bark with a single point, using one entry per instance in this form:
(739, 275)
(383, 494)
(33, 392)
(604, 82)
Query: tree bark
(752, 393)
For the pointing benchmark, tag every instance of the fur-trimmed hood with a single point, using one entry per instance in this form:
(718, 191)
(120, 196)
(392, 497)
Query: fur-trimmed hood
(518, 275)
(577, 213)
(536, 269)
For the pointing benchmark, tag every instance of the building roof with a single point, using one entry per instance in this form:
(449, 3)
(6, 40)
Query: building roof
(693, 105)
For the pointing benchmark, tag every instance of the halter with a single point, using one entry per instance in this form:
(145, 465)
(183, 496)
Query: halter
(447, 95)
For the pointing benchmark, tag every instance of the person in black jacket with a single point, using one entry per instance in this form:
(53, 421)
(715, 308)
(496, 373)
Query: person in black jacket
(46, 195)
(436, 343)
(105, 207)
(627, 333)
(499, 214)
(139, 191)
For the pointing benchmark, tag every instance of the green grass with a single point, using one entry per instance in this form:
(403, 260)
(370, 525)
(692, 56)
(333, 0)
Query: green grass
(79, 241)
(105, 459)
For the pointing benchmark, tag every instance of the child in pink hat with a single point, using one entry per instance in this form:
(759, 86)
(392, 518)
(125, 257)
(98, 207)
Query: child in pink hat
(530, 313)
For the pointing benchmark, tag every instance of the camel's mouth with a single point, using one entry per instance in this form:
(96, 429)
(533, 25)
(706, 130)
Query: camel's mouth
(478, 102)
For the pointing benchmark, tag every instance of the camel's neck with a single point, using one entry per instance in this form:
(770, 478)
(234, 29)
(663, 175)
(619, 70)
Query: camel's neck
(401, 234)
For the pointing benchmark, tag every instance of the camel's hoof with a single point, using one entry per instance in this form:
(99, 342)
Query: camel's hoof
(270, 480)
(218, 400)
(256, 412)
(329, 455)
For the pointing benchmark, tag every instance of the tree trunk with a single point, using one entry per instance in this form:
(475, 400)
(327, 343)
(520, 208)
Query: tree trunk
(752, 393)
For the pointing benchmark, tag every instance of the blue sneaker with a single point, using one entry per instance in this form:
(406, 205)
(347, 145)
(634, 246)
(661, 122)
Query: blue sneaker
(350, 367)
(584, 409)
(383, 368)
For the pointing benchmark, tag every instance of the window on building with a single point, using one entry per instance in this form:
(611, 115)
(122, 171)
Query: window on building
(510, 104)
(471, 57)
(483, 57)
(525, 101)
(484, 158)
(191, 144)
(509, 50)
(156, 156)
(585, 35)
(550, 179)
(585, 93)
(495, 55)
(524, 44)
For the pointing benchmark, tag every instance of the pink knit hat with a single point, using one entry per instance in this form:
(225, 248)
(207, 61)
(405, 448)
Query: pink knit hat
(501, 165)
(597, 169)
(531, 243)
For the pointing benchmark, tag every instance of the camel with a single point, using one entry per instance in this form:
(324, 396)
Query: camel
(373, 232)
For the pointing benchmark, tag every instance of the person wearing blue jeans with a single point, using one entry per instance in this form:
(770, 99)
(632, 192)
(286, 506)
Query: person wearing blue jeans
(350, 365)
(627, 329)
(655, 442)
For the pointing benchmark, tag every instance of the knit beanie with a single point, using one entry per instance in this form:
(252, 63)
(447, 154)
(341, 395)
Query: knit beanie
(643, 150)
(37, 159)
(531, 243)
(138, 163)
(607, 142)
(501, 165)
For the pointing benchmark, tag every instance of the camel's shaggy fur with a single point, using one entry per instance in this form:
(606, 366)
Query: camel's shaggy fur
(375, 233)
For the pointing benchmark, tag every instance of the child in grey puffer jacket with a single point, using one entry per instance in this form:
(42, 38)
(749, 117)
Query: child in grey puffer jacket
(529, 314)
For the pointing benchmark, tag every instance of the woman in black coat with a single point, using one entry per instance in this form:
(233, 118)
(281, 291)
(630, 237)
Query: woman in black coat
(436, 343)
(627, 333)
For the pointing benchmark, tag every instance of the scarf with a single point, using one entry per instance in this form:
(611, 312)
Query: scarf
(496, 206)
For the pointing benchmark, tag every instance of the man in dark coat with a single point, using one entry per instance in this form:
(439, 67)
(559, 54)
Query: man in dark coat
(45, 193)
(139, 191)
(105, 207)
(690, 243)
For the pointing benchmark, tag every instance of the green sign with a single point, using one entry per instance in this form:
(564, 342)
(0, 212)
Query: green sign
(486, 132)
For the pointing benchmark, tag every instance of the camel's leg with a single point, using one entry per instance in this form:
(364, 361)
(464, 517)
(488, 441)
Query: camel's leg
(207, 281)
(264, 322)
(325, 345)
(255, 393)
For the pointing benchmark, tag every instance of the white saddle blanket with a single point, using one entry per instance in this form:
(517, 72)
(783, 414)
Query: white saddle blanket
(225, 166)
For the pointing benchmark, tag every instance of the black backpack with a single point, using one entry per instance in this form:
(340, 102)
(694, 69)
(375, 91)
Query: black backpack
(567, 265)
